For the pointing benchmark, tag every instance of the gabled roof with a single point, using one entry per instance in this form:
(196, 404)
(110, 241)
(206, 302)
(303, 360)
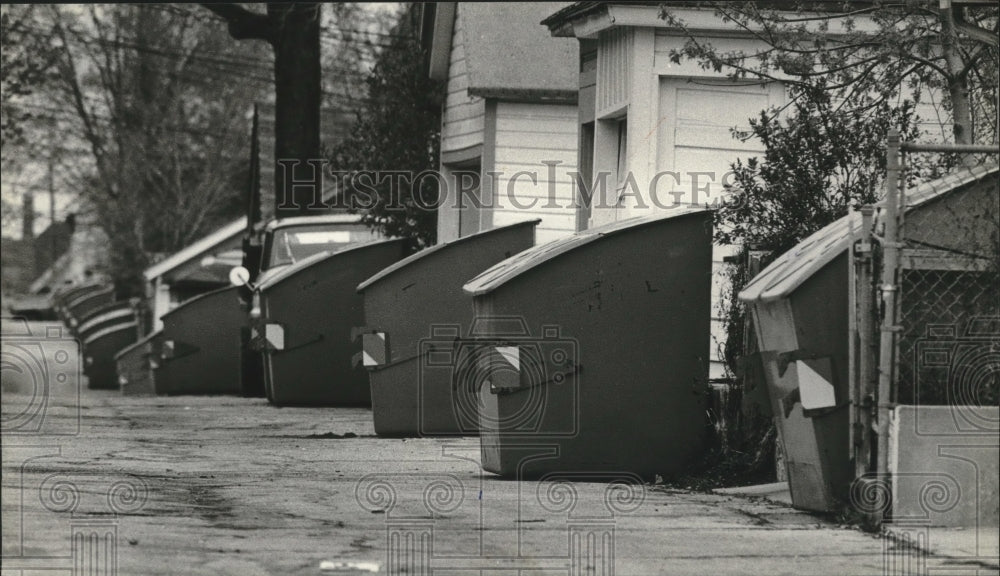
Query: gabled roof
(198, 250)
(509, 54)
(794, 267)
(574, 11)
(595, 16)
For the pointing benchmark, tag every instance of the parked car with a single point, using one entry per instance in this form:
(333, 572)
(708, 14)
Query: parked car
(205, 339)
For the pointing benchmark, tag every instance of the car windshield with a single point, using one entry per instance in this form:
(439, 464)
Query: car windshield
(292, 244)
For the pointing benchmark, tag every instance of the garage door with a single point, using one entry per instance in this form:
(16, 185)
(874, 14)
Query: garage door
(696, 143)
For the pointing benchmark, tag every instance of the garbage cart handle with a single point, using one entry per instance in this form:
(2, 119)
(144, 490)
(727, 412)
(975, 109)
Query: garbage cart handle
(786, 358)
(570, 369)
(178, 350)
(359, 331)
(318, 338)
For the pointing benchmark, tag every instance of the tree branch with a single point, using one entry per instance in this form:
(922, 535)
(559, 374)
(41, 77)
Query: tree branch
(244, 24)
(973, 31)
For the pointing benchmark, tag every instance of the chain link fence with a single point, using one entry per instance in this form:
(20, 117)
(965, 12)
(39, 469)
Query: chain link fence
(926, 299)
(948, 305)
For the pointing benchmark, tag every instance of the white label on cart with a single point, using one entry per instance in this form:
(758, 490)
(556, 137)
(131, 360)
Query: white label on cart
(815, 387)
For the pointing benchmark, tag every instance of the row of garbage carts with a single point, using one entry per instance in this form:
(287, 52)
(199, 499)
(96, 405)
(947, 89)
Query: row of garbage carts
(586, 354)
(576, 354)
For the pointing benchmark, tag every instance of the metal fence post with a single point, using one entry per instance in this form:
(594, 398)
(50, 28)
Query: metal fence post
(890, 252)
(864, 355)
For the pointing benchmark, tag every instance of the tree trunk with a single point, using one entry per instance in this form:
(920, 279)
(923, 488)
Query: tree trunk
(297, 103)
(292, 29)
(958, 90)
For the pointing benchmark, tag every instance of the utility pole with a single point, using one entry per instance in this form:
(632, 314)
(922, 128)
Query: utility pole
(52, 206)
(28, 231)
(293, 31)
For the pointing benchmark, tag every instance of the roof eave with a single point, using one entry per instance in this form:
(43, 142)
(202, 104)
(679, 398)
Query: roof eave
(586, 20)
(440, 48)
(197, 250)
(526, 94)
(562, 19)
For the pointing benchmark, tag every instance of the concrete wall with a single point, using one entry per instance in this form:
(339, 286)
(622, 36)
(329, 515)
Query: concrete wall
(943, 461)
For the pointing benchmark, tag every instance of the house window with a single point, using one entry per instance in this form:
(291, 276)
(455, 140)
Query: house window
(611, 168)
(622, 166)
(468, 186)
(586, 175)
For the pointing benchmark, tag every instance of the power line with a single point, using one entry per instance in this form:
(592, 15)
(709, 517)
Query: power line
(207, 17)
(221, 65)
(233, 61)
(71, 115)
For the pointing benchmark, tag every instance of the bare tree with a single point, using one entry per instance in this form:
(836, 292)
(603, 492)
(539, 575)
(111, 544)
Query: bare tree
(150, 91)
(26, 63)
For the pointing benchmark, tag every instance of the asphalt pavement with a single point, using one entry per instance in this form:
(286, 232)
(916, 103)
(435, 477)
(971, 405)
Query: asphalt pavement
(222, 485)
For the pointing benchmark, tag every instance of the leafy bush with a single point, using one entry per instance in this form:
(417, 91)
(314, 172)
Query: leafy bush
(397, 130)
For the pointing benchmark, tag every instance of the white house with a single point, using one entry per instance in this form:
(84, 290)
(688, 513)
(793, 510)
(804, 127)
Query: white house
(202, 266)
(659, 132)
(662, 132)
(510, 116)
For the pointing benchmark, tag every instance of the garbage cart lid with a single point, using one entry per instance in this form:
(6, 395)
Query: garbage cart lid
(109, 330)
(273, 274)
(437, 248)
(957, 178)
(194, 299)
(87, 295)
(293, 269)
(77, 289)
(309, 220)
(503, 272)
(145, 340)
(794, 267)
(106, 316)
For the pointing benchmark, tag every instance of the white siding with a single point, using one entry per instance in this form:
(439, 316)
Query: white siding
(680, 119)
(614, 69)
(462, 124)
(527, 137)
(697, 109)
(695, 140)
